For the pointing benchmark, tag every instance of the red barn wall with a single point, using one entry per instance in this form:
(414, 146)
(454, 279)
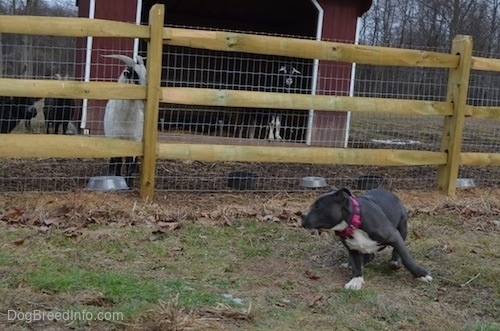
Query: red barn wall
(103, 69)
(334, 78)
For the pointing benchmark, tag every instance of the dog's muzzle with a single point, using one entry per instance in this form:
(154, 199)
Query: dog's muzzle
(305, 221)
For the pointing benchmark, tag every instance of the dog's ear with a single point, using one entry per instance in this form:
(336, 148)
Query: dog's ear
(347, 192)
(341, 195)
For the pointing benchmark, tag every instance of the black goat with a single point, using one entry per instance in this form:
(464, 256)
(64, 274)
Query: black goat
(15, 109)
(57, 112)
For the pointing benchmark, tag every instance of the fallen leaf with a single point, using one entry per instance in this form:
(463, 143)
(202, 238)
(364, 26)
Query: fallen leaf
(91, 219)
(12, 213)
(51, 221)
(315, 299)
(43, 228)
(72, 232)
(311, 275)
(93, 298)
(447, 248)
(269, 218)
(206, 220)
(228, 222)
(19, 241)
(141, 243)
(35, 221)
(169, 225)
(176, 250)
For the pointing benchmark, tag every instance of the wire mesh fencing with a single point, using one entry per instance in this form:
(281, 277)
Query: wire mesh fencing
(249, 125)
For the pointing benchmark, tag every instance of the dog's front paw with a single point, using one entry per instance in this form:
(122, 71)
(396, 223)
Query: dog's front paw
(426, 278)
(355, 284)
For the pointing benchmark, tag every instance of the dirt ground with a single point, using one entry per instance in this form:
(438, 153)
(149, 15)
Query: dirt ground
(76, 213)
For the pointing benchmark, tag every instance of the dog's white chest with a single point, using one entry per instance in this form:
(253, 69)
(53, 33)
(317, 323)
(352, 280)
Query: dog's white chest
(362, 243)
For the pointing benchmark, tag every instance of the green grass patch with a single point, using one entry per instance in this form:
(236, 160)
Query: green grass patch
(290, 277)
(54, 277)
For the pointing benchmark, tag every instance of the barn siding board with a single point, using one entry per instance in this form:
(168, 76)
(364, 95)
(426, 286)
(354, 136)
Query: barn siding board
(100, 69)
(339, 24)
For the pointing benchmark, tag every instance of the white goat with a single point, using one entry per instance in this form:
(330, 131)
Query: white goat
(124, 119)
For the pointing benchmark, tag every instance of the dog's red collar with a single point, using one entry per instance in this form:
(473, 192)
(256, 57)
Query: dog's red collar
(355, 220)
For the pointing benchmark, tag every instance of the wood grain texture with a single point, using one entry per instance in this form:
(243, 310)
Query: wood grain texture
(70, 27)
(453, 126)
(64, 146)
(229, 98)
(313, 155)
(307, 49)
(42, 88)
(154, 63)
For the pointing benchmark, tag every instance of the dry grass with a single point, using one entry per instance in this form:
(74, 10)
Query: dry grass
(168, 316)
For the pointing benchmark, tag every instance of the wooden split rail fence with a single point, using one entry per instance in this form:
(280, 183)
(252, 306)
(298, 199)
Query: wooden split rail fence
(454, 109)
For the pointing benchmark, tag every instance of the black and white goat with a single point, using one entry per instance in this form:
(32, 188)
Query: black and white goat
(15, 109)
(288, 72)
(264, 124)
(124, 119)
(58, 111)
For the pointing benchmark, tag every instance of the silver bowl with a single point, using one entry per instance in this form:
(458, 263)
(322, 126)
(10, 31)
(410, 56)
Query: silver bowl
(465, 183)
(312, 182)
(107, 183)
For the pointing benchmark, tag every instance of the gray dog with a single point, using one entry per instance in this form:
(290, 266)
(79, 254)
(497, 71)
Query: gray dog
(365, 224)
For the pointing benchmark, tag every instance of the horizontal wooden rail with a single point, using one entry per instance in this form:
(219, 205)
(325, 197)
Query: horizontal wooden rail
(71, 27)
(486, 64)
(70, 89)
(229, 98)
(28, 146)
(313, 155)
(491, 113)
(63, 146)
(307, 49)
(480, 159)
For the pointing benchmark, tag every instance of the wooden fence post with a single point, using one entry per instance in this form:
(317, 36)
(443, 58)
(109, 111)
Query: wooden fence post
(453, 126)
(154, 64)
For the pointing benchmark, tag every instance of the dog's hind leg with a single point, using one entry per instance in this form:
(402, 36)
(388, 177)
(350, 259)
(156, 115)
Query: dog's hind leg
(395, 262)
(367, 258)
(417, 270)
